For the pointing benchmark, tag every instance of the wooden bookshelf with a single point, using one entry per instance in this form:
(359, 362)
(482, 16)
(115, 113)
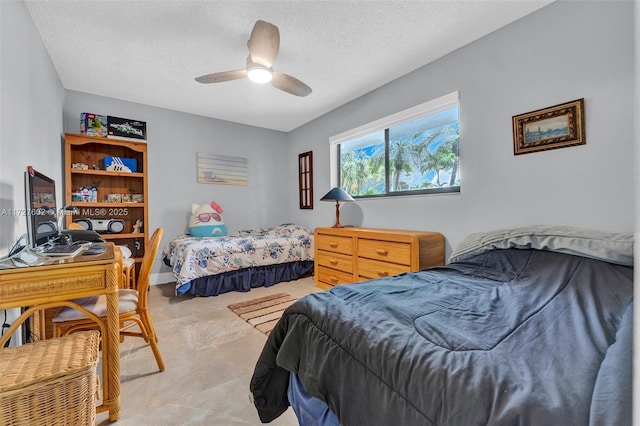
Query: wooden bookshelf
(91, 151)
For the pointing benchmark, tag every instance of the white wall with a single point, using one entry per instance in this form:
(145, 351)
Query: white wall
(31, 96)
(173, 141)
(565, 51)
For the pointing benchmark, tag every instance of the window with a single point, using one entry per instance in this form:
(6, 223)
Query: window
(415, 151)
(305, 179)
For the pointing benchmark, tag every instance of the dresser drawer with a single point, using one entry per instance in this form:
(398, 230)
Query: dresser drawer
(388, 251)
(333, 276)
(335, 243)
(338, 261)
(352, 254)
(369, 269)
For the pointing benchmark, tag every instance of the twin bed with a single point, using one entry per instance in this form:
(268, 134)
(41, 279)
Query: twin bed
(522, 326)
(208, 266)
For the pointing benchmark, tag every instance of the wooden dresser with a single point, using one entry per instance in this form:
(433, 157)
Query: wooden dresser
(348, 255)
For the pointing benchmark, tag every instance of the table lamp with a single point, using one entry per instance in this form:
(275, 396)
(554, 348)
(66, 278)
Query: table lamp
(337, 194)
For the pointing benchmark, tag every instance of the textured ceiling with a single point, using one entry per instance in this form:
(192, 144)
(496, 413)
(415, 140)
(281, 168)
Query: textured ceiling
(150, 51)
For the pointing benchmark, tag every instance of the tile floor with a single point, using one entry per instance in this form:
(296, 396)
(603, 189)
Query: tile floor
(210, 354)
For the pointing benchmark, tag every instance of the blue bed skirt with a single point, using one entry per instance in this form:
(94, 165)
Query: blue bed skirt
(245, 279)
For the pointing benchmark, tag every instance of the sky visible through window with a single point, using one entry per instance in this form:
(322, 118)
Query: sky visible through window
(423, 156)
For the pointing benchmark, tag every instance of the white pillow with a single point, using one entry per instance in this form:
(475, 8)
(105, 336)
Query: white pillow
(608, 246)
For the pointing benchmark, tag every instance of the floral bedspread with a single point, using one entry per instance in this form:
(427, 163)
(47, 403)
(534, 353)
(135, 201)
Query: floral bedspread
(194, 257)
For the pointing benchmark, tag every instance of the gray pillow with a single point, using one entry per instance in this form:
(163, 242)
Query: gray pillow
(611, 247)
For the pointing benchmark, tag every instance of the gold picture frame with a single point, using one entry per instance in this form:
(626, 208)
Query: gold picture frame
(558, 126)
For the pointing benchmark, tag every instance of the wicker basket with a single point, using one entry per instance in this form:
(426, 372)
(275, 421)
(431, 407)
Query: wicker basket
(50, 382)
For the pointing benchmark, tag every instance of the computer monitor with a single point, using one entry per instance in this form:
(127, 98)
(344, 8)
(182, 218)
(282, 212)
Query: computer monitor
(40, 197)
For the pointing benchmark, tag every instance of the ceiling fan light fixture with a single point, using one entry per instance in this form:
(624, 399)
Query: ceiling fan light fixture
(263, 50)
(259, 74)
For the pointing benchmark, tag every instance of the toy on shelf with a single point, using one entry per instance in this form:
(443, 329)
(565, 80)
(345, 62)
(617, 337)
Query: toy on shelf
(117, 164)
(88, 194)
(137, 228)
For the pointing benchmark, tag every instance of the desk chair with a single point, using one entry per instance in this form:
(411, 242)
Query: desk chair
(128, 268)
(133, 307)
(129, 273)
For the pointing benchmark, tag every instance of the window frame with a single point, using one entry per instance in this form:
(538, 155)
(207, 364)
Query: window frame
(305, 180)
(427, 108)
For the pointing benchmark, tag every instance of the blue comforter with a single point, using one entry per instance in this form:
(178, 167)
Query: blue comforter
(506, 337)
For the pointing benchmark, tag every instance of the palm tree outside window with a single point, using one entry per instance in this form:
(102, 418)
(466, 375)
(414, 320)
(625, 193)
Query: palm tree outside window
(415, 156)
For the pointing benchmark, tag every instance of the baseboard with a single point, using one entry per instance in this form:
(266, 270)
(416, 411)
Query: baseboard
(161, 278)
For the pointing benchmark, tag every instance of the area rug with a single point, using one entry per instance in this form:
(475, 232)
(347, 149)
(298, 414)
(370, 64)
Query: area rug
(264, 312)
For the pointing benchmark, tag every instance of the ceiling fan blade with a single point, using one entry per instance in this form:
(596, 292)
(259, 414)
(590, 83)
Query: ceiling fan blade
(264, 43)
(290, 84)
(218, 77)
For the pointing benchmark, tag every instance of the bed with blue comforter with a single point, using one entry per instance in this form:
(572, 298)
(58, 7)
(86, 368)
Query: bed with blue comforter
(523, 326)
(239, 261)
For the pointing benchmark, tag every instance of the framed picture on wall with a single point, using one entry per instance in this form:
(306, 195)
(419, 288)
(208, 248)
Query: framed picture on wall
(558, 126)
(222, 169)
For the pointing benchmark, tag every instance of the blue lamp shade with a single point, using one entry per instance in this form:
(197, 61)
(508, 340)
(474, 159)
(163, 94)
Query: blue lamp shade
(337, 194)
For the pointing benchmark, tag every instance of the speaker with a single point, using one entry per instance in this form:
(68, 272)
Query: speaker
(115, 226)
(112, 226)
(46, 227)
(85, 223)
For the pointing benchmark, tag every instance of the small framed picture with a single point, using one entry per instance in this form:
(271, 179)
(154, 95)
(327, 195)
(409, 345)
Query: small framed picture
(114, 198)
(558, 126)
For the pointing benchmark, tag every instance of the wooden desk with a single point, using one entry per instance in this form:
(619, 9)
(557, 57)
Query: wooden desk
(57, 284)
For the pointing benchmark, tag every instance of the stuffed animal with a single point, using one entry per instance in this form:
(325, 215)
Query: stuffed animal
(206, 221)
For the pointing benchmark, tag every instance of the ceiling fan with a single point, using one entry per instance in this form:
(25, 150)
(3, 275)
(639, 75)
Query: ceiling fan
(263, 45)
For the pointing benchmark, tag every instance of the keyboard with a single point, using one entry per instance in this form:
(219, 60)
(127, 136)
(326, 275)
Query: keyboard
(67, 250)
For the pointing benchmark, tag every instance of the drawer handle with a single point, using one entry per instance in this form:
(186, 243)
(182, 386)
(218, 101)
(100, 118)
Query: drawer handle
(333, 245)
(383, 273)
(382, 252)
(333, 261)
(333, 279)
